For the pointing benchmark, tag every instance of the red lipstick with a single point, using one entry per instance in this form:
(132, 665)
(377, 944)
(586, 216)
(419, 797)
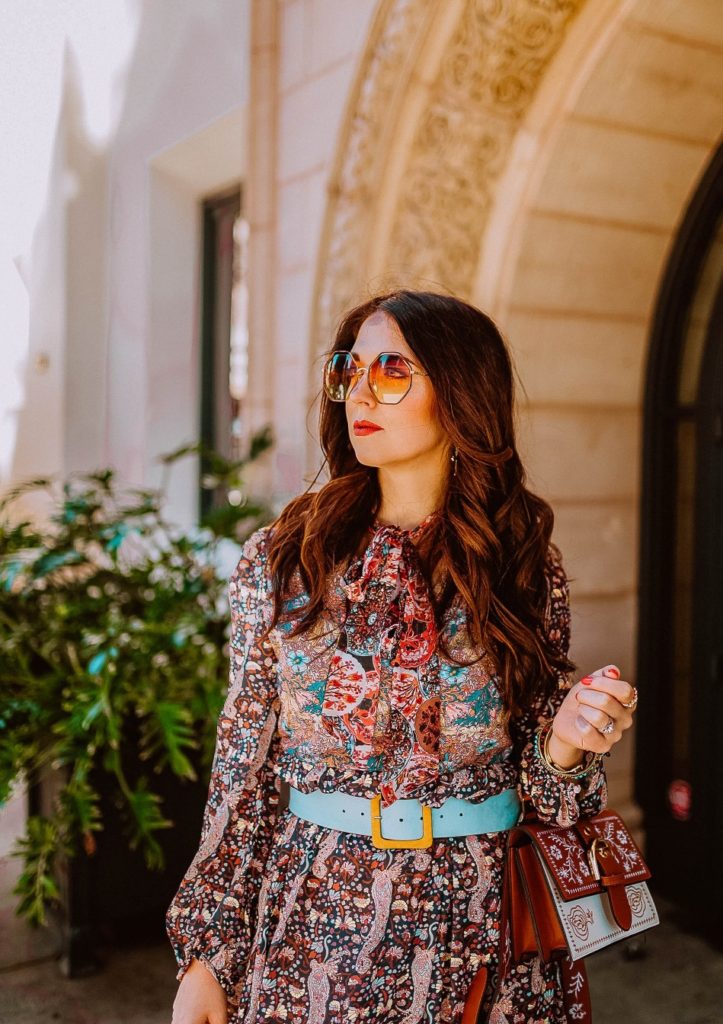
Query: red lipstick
(365, 427)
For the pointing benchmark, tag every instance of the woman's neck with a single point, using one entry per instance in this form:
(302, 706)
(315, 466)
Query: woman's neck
(409, 496)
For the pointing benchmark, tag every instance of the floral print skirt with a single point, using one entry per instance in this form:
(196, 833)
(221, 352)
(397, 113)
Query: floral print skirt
(345, 932)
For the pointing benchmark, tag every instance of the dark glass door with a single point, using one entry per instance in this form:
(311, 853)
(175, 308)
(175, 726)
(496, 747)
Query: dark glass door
(679, 770)
(707, 731)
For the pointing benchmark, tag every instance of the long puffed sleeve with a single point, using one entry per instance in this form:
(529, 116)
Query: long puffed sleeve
(213, 915)
(555, 799)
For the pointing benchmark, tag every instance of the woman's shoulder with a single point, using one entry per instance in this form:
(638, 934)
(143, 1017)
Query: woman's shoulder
(554, 565)
(557, 609)
(251, 567)
(555, 579)
(554, 554)
(257, 543)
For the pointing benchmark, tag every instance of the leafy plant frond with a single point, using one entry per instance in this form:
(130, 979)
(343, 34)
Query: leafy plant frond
(36, 885)
(113, 647)
(165, 735)
(147, 818)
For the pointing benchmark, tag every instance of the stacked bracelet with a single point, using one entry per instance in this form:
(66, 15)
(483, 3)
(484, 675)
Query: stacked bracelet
(577, 772)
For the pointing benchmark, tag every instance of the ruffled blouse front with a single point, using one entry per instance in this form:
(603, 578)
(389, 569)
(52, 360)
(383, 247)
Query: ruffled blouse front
(364, 704)
(388, 593)
(369, 705)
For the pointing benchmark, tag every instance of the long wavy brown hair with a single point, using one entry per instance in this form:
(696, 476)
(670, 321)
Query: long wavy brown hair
(492, 541)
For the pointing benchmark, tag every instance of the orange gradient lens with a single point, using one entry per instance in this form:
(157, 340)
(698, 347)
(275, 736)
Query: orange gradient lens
(390, 376)
(340, 373)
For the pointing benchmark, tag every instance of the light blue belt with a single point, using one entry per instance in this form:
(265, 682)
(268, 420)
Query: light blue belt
(407, 822)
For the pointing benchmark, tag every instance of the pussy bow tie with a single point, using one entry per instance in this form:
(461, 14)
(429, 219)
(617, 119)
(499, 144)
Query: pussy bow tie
(391, 568)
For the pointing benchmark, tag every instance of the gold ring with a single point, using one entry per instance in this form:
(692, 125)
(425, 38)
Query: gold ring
(633, 702)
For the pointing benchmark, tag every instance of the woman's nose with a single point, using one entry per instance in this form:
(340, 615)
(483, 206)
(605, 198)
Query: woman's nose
(360, 390)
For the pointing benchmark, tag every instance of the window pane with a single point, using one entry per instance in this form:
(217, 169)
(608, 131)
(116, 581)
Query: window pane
(682, 597)
(699, 319)
(238, 361)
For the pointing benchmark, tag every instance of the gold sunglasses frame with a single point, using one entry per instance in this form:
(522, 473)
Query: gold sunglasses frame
(361, 370)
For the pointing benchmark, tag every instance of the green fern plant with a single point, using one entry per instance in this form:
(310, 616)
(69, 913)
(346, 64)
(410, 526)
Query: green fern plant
(114, 628)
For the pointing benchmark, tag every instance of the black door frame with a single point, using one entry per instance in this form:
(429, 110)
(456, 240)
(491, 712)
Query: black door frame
(708, 611)
(219, 213)
(680, 852)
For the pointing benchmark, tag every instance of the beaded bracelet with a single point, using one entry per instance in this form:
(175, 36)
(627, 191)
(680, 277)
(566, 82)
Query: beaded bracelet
(577, 771)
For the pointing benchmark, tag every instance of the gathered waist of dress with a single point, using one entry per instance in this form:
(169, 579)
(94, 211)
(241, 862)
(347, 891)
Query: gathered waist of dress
(474, 783)
(408, 822)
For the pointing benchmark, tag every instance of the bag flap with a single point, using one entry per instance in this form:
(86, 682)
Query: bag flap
(566, 853)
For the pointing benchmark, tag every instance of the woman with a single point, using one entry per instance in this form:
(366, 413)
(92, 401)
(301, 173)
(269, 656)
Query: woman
(398, 637)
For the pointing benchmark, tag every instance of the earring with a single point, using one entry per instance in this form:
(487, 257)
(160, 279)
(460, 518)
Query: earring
(453, 460)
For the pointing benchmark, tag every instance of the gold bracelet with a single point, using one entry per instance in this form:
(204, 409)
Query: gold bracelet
(578, 771)
(553, 764)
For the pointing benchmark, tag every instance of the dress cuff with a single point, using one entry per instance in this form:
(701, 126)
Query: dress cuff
(556, 798)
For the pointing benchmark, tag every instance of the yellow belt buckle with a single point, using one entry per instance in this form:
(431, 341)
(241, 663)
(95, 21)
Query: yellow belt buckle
(392, 844)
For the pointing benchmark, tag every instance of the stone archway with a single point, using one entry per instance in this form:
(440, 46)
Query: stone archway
(457, 112)
(570, 265)
(442, 90)
(537, 160)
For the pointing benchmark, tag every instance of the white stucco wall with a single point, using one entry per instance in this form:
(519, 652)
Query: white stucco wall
(311, 50)
(117, 119)
(580, 222)
(106, 371)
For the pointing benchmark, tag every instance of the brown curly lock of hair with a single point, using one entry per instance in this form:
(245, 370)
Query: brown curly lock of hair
(491, 544)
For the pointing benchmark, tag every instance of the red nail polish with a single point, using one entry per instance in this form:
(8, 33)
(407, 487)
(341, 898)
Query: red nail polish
(586, 679)
(612, 672)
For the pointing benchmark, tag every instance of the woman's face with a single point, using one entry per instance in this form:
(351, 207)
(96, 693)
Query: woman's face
(409, 430)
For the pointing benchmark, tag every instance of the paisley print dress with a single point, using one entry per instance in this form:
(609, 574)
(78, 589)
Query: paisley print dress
(303, 923)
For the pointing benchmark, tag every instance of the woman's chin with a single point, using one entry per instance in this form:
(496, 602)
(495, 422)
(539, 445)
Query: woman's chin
(367, 459)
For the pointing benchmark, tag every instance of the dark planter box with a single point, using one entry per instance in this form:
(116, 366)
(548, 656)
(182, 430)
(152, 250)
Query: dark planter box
(111, 897)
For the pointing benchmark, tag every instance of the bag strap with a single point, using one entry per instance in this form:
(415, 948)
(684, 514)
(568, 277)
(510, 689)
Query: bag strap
(576, 990)
(574, 979)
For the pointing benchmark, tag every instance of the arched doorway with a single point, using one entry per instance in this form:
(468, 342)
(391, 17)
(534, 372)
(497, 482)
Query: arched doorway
(679, 773)
(560, 228)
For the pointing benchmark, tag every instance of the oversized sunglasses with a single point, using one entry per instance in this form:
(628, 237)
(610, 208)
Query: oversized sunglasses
(390, 376)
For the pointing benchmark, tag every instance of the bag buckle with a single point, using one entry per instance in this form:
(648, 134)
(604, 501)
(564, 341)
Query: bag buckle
(597, 845)
(383, 843)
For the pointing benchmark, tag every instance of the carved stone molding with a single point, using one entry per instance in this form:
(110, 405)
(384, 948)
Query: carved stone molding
(397, 28)
(488, 75)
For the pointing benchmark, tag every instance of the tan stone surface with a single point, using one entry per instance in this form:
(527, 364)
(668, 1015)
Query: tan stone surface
(335, 31)
(293, 32)
(599, 542)
(620, 175)
(576, 266)
(309, 120)
(572, 450)
(653, 82)
(564, 357)
(604, 630)
(301, 208)
(693, 20)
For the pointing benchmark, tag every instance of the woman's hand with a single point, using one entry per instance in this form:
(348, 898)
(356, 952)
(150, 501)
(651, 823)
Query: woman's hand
(200, 999)
(595, 702)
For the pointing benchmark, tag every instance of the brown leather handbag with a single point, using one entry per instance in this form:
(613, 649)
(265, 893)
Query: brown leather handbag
(567, 892)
